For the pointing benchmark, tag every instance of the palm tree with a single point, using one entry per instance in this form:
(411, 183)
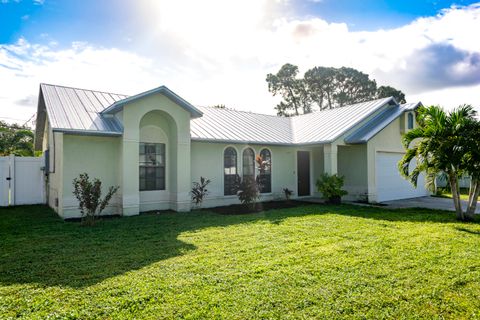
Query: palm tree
(471, 162)
(439, 144)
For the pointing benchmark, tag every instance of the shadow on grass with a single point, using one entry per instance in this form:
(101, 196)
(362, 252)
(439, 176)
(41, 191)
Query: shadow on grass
(38, 247)
(468, 231)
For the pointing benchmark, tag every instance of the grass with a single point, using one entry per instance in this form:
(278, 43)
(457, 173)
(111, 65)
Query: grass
(315, 261)
(447, 194)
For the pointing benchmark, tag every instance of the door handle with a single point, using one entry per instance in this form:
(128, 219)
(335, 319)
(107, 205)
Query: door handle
(8, 178)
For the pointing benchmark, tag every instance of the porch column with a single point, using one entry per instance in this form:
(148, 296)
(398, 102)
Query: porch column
(129, 186)
(330, 159)
(182, 200)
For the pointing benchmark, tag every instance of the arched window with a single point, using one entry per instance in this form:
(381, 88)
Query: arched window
(410, 121)
(248, 163)
(265, 171)
(230, 171)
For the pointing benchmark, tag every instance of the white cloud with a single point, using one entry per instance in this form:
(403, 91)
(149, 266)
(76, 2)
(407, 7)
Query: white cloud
(23, 66)
(219, 52)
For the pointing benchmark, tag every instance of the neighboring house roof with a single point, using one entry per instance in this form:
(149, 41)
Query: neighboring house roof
(83, 111)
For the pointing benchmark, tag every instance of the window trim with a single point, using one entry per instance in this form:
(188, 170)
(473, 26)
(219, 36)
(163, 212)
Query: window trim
(270, 170)
(253, 162)
(164, 166)
(224, 175)
(410, 121)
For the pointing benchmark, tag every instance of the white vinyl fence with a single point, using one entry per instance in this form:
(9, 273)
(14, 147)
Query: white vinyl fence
(4, 183)
(463, 182)
(22, 180)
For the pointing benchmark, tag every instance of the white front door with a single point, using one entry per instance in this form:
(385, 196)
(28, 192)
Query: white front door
(390, 184)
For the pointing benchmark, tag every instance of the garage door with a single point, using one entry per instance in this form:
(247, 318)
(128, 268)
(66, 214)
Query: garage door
(390, 184)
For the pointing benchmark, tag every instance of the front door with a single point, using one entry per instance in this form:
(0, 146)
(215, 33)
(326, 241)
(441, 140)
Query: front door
(303, 173)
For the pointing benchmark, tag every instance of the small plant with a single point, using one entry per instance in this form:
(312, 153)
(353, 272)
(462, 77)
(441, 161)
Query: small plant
(363, 198)
(199, 191)
(248, 191)
(288, 193)
(331, 187)
(88, 194)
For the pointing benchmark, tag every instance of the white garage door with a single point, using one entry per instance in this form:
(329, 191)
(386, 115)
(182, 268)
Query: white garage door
(390, 184)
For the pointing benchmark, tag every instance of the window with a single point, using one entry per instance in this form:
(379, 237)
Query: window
(248, 163)
(230, 171)
(410, 121)
(265, 173)
(152, 166)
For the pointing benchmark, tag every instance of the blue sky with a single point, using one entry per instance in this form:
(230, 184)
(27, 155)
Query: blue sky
(218, 52)
(375, 14)
(114, 22)
(101, 22)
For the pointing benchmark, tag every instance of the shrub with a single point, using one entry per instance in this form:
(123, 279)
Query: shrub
(248, 191)
(88, 194)
(331, 187)
(288, 193)
(199, 191)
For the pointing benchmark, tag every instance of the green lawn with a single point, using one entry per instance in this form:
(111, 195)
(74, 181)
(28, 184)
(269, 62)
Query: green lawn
(308, 262)
(463, 196)
(447, 194)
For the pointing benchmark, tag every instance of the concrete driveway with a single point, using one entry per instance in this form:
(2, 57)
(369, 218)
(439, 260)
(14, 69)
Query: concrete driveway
(427, 202)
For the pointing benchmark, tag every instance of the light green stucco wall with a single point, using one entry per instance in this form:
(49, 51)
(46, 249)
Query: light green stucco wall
(387, 140)
(207, 161)
(54, 143)
(318, 168)
(174, 122)
(156, 127)
(352, 164)
(357, 162)
(114, 160)
(55, 176)
(97, 156)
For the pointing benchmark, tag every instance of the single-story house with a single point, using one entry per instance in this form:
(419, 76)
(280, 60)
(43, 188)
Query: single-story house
(155, 144)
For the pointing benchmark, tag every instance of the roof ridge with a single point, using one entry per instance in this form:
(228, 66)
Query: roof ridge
(83, 89)
(294, 116)
(345, 106)
(225, 109)
(242, 111)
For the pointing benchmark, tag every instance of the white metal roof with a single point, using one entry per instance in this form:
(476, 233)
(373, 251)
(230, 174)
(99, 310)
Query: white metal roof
(72, 109)
(328, 125)
(83, 111)
(239, 126)
(118, 105)
(380, 121)
(317, 127)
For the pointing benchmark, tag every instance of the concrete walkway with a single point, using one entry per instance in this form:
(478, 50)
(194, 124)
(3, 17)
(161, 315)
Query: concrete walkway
(427, 202)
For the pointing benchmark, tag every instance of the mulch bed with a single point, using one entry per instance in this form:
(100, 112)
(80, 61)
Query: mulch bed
(261, 206)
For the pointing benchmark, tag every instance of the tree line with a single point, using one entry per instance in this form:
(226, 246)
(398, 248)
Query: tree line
(15, 139)
(324, 88)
